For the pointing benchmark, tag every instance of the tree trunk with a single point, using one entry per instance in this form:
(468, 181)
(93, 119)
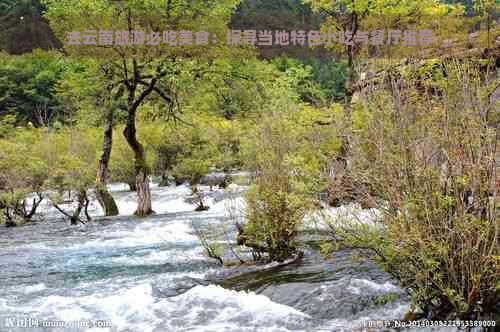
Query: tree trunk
(349, 89)
(350, 77)
(83, 202)
(349, 85)
(342, 162)
(143, 193)
(164, 182)
(131, 184)
(105, 199)
(141, 169)
(34, 207)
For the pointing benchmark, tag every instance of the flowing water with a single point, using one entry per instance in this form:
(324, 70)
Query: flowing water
(151, 275)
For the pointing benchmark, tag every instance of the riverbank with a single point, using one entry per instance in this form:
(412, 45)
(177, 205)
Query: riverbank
(151, 275)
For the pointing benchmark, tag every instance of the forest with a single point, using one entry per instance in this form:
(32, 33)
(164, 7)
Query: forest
(235, 166)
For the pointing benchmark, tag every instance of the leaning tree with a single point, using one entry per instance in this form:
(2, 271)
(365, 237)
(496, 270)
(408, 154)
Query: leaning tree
(138, 72)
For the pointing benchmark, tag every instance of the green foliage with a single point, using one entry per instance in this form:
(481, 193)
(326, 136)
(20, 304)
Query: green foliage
(66, 15)
(288, 161)
(188, 149)
(121, 165)
(192, 169)
(329, 74)
(22, 29)
(424, 148)
(27, 88)
(71, 156)
(300, 79)
(363, 15)
(7, 125)
(386, 298)
(38, 160)
(22, 167)
(431, 162)
(82, 94)
(185, 150)
(23, 171)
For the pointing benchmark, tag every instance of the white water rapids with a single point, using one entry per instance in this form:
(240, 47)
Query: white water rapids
(150, 275)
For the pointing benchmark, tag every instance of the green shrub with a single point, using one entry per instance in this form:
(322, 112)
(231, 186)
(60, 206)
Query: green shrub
(287, 172)
(432, 164)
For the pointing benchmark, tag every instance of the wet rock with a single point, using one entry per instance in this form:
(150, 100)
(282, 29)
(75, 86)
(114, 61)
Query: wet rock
(201, 208)
(337, 288)
(182, 285)
(222, 180)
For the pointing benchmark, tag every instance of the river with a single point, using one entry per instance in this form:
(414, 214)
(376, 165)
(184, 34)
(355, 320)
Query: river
(151, 275)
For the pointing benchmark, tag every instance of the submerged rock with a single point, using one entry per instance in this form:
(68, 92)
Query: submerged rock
(338, 288)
